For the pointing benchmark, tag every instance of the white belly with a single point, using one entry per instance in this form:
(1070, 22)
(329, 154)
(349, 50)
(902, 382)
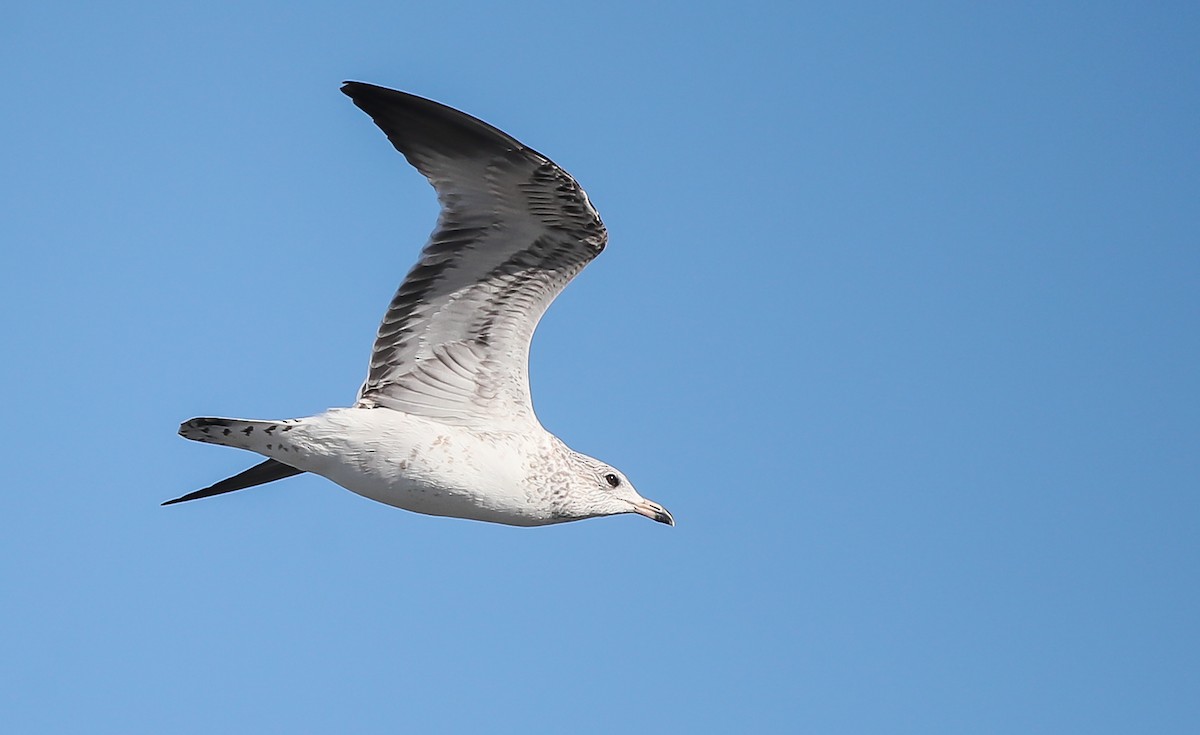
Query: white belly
(420, 465)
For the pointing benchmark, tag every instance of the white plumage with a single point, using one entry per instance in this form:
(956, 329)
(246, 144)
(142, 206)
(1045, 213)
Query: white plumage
(444, 423)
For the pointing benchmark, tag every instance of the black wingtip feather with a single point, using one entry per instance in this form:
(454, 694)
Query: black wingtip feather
(259, 474)
(414, 124)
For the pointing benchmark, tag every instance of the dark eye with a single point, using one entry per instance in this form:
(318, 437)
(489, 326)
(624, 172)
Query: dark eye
(612, 480)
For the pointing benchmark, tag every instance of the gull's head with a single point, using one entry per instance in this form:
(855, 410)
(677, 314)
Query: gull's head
(603, 490)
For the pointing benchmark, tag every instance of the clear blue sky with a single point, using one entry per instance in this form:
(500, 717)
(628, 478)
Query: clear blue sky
(900, 317)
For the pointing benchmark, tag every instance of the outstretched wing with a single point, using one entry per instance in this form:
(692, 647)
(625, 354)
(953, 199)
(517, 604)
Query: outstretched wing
(513, 231)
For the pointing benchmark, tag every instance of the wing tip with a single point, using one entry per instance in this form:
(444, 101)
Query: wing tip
(350, 87)
(410, 121)
(180, 499)
(260, 474)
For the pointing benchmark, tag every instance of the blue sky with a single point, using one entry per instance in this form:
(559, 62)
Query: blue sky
(899, 317)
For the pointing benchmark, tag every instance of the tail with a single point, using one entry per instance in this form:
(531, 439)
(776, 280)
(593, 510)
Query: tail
(256, 436)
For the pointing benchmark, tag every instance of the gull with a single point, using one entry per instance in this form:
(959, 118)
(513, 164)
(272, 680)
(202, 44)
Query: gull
(444, 423)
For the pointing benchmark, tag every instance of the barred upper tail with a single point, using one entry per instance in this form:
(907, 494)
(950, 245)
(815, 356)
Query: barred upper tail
(254, 435)
(264, 437)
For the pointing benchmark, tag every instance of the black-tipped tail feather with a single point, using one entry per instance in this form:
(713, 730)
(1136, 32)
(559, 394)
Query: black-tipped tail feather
(259, 474)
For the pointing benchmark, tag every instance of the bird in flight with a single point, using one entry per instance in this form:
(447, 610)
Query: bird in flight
(444, 423)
